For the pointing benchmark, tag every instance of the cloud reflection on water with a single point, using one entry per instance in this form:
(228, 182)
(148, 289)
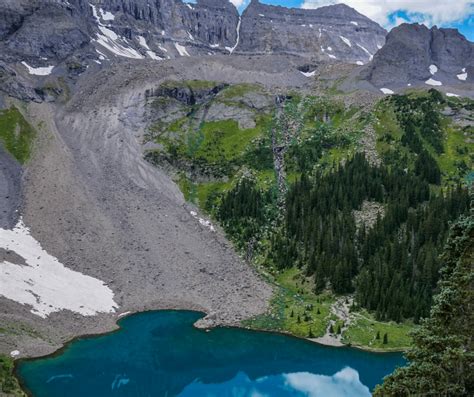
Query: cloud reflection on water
(344, 383)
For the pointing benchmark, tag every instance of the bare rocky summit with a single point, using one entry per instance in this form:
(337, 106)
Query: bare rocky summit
(413, 54)
(331, 33)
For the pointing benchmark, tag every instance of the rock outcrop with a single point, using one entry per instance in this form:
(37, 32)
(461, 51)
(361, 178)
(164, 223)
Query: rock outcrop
(49, 31)
(332, 33)
(413, 54)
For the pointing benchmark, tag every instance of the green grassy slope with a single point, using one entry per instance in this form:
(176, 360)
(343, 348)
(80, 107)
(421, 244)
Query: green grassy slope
(16, 134)
(209, 158)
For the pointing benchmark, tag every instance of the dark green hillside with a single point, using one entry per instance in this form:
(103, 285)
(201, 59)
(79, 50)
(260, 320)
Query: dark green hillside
(302, 187)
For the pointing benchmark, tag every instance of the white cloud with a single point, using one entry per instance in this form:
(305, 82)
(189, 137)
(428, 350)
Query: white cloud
(345, 383)
(426, 11)
(238, 3)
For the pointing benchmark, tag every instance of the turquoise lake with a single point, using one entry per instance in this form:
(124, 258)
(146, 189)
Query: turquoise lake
(161, 354)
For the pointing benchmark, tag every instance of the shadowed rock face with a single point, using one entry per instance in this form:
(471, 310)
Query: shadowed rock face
(411, 49)
(331, 33)
(42, 32)
(205, 23)
(35, 30)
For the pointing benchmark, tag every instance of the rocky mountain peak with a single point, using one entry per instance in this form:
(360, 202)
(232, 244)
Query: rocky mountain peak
(415, 53)
(330, 33)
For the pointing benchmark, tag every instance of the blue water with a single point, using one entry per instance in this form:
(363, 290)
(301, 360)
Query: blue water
(162, 354)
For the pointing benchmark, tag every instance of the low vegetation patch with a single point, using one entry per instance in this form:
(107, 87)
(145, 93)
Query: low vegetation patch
(8, 383)
(16, 134)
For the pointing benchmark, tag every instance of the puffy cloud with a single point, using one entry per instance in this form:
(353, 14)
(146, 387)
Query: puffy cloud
(238, 3)
(426, 11)
(344, 383)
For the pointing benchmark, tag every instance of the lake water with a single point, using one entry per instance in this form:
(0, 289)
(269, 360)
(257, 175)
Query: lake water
(161, 354)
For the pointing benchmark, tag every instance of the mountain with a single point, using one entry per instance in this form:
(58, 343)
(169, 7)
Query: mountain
(160, 29)
(414, 54)
(335, 32)
(159, 148)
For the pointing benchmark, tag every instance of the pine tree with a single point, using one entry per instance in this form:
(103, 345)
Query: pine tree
(441, 361)
(378, 335)
(385, 338)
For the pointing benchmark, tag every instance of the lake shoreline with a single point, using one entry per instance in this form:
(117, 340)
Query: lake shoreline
(120, 326)
(126, 314)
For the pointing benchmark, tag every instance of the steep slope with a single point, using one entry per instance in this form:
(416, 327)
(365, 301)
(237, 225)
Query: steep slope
(414, 54)
(337, 33)
(93, 202)
(46, 33)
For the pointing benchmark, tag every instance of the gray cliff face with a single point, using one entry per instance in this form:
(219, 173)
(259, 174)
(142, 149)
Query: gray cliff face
(411, 49)
(49, 31)
(332, 33)
(209, 24)
(73, 35)
(33, 29)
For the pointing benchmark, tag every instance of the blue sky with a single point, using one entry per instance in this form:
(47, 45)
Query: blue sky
(443, 13)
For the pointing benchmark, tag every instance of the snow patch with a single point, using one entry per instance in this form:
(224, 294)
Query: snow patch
(153, 56)
(387, 91)
(232, 49)
(44, 283)
(190, 6)
(345, 40)
(261, 15)
(191, 37)
(143, 42)
(45, 71)
(14, 353)
(123, 314)
(106, 15)
(181, 50)
(433, 69)
(462, 76)
(213, 45)
(329, 48)
(110, 40)
(202, 221)
(433, 82)
(308, 74)
(354, 23)
(331, 56)
(365, 50)
(359, 63)
(452, 95)
(149, 52)
(102, 56)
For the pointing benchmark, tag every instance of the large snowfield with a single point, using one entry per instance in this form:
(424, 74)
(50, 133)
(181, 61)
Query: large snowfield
(44, 283)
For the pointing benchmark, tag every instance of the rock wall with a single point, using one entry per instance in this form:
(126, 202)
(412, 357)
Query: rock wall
(332, 33)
